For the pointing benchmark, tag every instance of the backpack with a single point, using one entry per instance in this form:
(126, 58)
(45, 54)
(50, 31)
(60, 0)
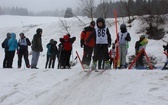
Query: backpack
(5, 44)
(67, 46)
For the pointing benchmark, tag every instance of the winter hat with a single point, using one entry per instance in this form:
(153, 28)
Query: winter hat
(55, 42)
(100, 19)
(66, 37)
(123, 28)
(8, 35)
(21, 34)
(39, 30)
(92, 23)
(52, 41)
(142, 36)
(69, 35)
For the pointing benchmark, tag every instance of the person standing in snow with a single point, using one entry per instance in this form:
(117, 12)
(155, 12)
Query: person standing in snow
(65, 53)
(23, 44)
(12, 44)
(102, 38)
(165, 48)
(51, 53)
(87, 47)
(123, 39)
(112, 54)
(6, 48)
(36, 48)
(141, 44)
(166, 52)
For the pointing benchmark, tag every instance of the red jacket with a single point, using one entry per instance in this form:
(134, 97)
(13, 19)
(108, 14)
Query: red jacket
(85, 34)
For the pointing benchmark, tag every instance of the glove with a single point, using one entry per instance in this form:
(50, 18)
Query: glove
(127, 39)
(109, 45)
(82, 43)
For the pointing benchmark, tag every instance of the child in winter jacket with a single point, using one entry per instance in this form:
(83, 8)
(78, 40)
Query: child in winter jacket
(65, 49)
(52, 52)
(166, 53)
(165, 48)
(112, 54)
(141, 44)
(102, 38)
(23, 44)
(123, 39)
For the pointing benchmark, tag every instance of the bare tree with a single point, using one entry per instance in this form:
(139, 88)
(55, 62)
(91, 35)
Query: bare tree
(64, 25)
(103, 8)
(88, 7)
(126, 9)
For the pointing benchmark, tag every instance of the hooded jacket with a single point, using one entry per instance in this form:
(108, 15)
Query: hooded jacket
(12, 43)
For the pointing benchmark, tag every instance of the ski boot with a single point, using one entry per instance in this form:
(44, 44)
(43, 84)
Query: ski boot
(107, 65)
(93, 67)
(86, 66)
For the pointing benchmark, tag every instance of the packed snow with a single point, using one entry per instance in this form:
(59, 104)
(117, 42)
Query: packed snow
(74, 86)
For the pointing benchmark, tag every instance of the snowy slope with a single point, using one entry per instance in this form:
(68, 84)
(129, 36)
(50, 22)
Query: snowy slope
(75, 87)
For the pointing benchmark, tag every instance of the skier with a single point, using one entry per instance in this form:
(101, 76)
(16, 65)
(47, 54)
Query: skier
(6, 48)
(66, 49)
(123, 39)
(140, 44)
(102, 38)
(51, 53)
(12, 44)
(112, 54)
(36, 48)
(87, 47)
(23, 44)
(166, 52)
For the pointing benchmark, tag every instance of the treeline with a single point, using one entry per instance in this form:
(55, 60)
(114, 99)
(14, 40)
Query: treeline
(14, 11)
(132, 8)
(26, 12)
(104, 9)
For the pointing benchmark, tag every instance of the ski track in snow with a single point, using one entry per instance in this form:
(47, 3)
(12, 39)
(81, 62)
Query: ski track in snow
(75, 87)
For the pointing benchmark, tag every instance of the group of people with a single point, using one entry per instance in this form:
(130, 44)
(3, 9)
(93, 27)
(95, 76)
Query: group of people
(12, 46)
(95, 40)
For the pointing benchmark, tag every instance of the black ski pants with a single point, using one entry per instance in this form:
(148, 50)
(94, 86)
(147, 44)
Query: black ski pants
(50, 60)
(101, 52)
(5, 61)
(87, 54)
(65, 58)
(23, 53)
(11, 55)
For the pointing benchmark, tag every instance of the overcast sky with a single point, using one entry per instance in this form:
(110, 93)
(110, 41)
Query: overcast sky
(40, 5)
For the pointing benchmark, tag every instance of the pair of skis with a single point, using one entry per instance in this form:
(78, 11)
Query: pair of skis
(87, 70)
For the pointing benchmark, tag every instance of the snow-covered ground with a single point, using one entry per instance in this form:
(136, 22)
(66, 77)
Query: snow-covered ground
(73, 86)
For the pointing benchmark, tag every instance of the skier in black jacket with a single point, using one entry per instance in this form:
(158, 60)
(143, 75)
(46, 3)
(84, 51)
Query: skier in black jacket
(5, 46)
(23, 44)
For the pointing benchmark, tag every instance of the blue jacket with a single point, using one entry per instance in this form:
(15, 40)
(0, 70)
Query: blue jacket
(49, 48)
(12, 42)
